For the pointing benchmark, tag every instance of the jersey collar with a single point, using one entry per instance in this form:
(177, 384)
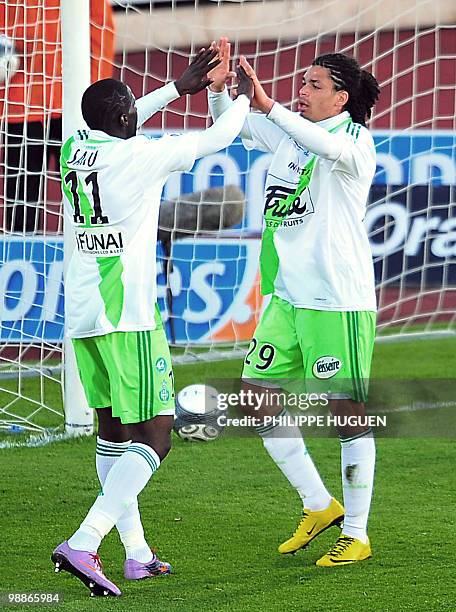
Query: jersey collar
(333, 121)
(100, 135)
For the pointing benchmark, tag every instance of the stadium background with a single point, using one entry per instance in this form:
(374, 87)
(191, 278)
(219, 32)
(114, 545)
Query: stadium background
(218, 511)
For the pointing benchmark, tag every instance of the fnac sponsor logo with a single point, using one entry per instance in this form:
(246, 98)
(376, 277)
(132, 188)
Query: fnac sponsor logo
(326, 367)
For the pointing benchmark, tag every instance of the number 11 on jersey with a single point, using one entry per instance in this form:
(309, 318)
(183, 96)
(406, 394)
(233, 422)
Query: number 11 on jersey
(85, 212)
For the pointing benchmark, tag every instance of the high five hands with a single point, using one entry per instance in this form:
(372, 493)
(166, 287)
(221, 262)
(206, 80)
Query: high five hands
(195, 77)
(211, 67)
(222, 73)
(260, 100)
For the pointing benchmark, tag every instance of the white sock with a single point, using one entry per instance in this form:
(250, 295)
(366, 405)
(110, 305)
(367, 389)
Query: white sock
(358, 464)
(129, 525)
(286, 447)
(125, 480)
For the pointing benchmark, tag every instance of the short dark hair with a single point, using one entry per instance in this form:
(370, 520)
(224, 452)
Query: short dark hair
(362, 87)
(103, 102)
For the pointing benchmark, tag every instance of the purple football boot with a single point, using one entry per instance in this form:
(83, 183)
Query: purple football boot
(87, 567)
(135, 570)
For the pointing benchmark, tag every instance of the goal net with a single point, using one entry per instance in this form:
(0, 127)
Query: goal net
(211, 217)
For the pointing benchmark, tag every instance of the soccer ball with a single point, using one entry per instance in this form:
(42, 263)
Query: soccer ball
(197, 413)
(9, 59)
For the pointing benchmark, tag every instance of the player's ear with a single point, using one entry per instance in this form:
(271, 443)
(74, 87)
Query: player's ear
(123, 120)
(342, 98)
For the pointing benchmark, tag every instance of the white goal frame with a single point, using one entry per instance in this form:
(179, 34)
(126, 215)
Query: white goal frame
(75, 23)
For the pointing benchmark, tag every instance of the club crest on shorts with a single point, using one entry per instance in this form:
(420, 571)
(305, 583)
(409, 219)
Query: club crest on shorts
(160, 364)
(326, 367)
(164, 392)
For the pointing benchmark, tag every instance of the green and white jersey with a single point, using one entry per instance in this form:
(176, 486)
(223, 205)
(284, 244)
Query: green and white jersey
(112, 191)
(322, 249)
(318, 254)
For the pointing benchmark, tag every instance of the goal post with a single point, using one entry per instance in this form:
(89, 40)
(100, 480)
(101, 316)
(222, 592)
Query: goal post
(75, 20)
(210, 218)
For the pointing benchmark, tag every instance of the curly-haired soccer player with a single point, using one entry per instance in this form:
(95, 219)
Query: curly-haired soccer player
(316, 261)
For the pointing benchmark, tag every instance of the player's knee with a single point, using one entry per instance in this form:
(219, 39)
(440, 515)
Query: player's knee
(161, 444)
(350, 418)
(347, 433)
(166, 448)
(111, 428)
(249, 403)
(155, 433)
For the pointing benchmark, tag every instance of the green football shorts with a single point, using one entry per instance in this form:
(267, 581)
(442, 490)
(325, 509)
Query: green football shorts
(128, 371)
(324, 351)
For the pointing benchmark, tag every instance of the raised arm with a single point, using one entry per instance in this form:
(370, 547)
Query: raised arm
(225, 129)
(309, 135)
(218, 102)
(193, 79)
(257, 132)
(229, 123)
(152, 102)
(178, 153)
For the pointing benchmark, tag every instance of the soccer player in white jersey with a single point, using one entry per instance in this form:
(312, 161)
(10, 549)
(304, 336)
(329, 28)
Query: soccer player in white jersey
(113, 180)
(315, 260)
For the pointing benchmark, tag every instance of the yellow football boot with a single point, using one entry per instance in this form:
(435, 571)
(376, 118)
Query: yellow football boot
(346, 550)
(313, 523)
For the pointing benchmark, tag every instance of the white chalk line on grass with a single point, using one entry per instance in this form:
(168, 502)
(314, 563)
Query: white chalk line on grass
(37, 440)
(416, 406)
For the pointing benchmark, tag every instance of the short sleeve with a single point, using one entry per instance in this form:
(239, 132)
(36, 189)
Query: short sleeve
(260, 133)
(358, 154)
(170, 153)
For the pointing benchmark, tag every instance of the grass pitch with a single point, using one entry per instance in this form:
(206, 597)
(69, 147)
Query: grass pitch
(217, 512)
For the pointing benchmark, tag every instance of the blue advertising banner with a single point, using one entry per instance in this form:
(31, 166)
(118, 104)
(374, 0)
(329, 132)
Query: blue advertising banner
(403, 158)
(412, 233)
(214, 282)
(31, 289)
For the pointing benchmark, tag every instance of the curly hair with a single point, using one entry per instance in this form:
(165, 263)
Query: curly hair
(362, 87)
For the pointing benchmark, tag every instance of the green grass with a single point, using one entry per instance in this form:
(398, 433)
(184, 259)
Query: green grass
(408, 360)
(217, 511)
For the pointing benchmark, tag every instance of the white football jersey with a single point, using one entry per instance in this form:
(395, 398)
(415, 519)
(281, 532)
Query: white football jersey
(325, 260)
(112, 193)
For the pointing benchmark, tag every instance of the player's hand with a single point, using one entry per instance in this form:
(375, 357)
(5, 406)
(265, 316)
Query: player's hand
(245, 84)
(221, 73)
(195, 77)
(260, 100)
